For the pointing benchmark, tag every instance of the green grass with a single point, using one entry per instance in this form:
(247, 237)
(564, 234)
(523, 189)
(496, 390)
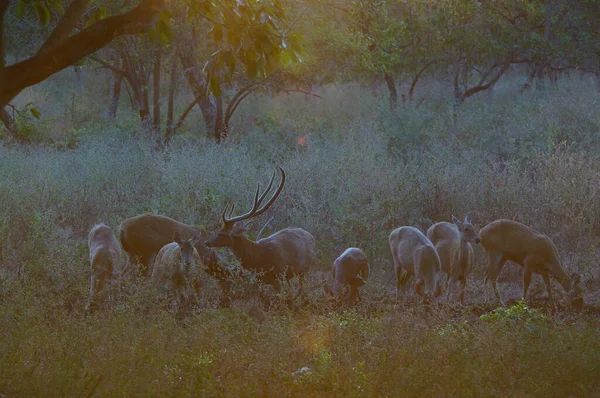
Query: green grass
(365, 171)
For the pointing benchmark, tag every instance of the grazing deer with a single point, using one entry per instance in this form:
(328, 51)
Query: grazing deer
(143, 236)
(283, 255)
(350, 271)
(414, 254)
(175, 265)
(510, 240)
(105, 260)
(453, 244)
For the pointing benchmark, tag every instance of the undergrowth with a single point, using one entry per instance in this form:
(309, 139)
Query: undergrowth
(359, 171)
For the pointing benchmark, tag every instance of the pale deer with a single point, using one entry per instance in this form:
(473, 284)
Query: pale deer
(177, 266)
(350, 271)
(453, 244)
(284, 255)
(414, 254)
(105, 261)
(143, 236)
(510, 240)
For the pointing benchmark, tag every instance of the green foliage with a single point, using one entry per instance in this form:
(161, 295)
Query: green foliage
(518, 314)
(249, 33)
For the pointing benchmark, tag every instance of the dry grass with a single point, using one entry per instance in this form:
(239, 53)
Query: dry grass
(364, 171)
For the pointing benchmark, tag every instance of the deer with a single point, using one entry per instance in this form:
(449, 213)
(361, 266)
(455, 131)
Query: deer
(175, 264)
(414, 254)
(105, 261)
(510, 240)
(453, 243)
(350, 271)
(281, 256)
(143, 236)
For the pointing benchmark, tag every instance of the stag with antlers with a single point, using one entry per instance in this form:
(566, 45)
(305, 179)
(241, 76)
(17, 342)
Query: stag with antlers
(282, 256)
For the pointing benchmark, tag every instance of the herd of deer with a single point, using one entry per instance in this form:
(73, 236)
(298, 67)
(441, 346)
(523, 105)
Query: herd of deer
(168, 252)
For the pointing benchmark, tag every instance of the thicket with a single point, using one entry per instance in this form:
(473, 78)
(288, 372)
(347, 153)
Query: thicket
(359, 171)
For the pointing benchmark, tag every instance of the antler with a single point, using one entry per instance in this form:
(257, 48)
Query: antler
(255, 211)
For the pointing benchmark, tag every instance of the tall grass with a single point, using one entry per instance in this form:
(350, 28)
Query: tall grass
(364, 170)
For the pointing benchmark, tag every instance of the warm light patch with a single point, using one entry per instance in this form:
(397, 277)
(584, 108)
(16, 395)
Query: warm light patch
(301, 141)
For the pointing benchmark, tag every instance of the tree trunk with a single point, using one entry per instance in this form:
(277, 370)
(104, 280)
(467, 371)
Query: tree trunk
(116, 95)
(145, 105)
(391, 85)
(170, 106)
(206, 102)
(8, 121)
(543, 65)
(221, 128)
(78, 79)
(156, 86)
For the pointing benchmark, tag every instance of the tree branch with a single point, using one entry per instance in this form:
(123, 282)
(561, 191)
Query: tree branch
(184, 114)
(42, 65)
(65, 26)
(481, 87)
(108, 66)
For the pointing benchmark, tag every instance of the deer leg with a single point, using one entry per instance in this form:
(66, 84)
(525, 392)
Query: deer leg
(300, 284)
(549, 289)
(462, 291)
(450, 286)
(496, 262)
(401, 278)
(90, 305)
(351, 296)
(526, 280)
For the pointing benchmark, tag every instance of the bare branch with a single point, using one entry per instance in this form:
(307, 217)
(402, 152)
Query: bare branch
(108, 66)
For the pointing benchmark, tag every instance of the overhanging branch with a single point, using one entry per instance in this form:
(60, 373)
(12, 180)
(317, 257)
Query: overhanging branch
(42, 65)
(65, 26)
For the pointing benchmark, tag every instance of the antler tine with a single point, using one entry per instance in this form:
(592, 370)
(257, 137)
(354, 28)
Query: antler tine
(262, 197)
(274, 197)
(232, 220)
(231, 211)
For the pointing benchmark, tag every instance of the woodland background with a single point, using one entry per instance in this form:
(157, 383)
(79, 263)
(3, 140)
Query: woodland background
(383, 113)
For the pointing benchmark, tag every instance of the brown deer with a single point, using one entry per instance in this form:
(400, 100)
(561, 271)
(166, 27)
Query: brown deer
(510, 240)
(105, 260)
(177, 264)
(453, 244)
(350, 271)
(143, 236)
(283, 255)
(414, 254)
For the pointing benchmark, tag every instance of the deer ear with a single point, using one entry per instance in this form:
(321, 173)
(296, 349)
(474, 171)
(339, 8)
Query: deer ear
(238, 229)
(176, 237)
(456, 221)
(199, 237)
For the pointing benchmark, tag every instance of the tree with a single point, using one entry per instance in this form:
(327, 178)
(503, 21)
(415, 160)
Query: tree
(247, 35)
(62, 47)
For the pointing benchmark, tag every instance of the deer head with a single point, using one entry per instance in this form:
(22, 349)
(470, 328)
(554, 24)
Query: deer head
(233, 227)
(186, 247)
(467, 231)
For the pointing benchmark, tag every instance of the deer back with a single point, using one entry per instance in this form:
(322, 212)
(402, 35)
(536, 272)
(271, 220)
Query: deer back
(146, 234)
(416, 254)
(291, 249)
(351, 267)
(518, 241)
(104, 250)
(446, 239)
